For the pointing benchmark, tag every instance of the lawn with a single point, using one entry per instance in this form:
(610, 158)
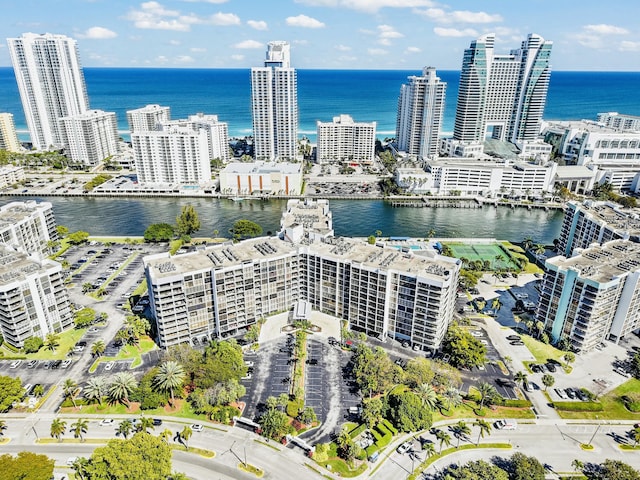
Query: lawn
(541, 350)
(613, 408)
(497, 255)
(128, 352)
(67, 340)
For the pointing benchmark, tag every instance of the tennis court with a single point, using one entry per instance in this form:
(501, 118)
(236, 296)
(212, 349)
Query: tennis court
(486, 251)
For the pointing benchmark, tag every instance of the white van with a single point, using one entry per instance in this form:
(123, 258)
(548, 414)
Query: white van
(506, 424)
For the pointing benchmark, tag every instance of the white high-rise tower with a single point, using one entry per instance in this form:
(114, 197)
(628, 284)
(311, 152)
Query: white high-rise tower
(51, 84)
(505, 94)
(420, 111)
(274, 105)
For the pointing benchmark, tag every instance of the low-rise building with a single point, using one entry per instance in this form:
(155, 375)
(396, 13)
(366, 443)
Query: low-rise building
(261, 178)
(620, 121)
(592, 296)
(33, 297)
(27, 226)
(90, 137)
(306, 221)
(10, 175)
(344, 140)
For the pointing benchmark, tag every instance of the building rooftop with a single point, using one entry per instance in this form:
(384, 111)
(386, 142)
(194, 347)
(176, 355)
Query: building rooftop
(602, 263)
(15, 212)
(17, 265)
(590, 126)
(483, 162)
(311, 214)
(614, 216)
(264, 168)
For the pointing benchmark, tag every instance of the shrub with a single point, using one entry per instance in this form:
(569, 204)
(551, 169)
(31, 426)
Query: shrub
(33, 344)
(389, 426)
(578, 406)
(358, 430)
(294, 407)
(517, 403)
(376, 434)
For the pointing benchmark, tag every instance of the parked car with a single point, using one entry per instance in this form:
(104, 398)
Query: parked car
(517, 343)
(570, 393)
(622, 371)
(106, 422)
(514, 338)
(109, 366)
(65, 364)
(157, 422)
(32, 363)
(15, 364)
(505, 424)
(561, 393)
(404, 448)
(551, 367)
(196, 427)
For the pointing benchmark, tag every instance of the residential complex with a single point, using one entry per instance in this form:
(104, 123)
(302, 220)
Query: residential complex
(306, 221)
(596, 222)
(344, 140)
(420, 112)
(8, 136)
(27, 226)
(503, 94)
(619, 121)
(274, 105)
(90, 137)
(147, 118)
(224, 289)
(51, 84)
(592, 296)
(33, 297)
(261, 178)
(10, 175)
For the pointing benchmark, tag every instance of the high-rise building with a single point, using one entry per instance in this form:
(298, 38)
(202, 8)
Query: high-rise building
(274, 105)
(90, 137)
(8, 137)
(592, 296)
(28, 226)
(503, 93)
(346, 140)
(620, 121)
(51, 84)
(147, 118)
(33, 298)
(420, 112)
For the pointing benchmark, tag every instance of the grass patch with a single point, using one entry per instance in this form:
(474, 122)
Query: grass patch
(67, 340)
(586, 446)
(72, 440)
(311, 467)
(542, 351)
(629, 447)
(340, 467)
(247, 467)
(174, 246)
(128, 352)
(612, 405)
(266, 444)
(140, 289)
(199, 451)
(4, 440)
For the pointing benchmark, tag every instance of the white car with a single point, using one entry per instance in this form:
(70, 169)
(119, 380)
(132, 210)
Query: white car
(404, 448)
(65, 364)
(109, 366)
(106, 422)
(71, 461)
(196, 427)
(15, 364)
(248, 363)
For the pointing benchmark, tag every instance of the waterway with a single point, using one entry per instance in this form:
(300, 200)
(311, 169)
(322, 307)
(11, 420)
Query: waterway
(357, 218)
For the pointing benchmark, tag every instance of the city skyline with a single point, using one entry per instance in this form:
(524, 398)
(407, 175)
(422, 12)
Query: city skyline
(326, 34)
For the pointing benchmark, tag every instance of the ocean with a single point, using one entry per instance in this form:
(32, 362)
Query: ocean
(366, 95)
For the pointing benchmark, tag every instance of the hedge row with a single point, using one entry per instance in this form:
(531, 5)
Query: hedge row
(578, 406)
(517, 403)
(357, 431)
(389, 426)
(383, 437)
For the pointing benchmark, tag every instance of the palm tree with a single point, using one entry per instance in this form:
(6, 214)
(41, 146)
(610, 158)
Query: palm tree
(577, 465)
(124, 428)
(70, 388)
(95, 389)
(98, 348)
(144, 424)
(429, 449)
(461, 430)
(527, 243)
(428, 395)
(539, 249)
(38, 390)
(3, 427)
(271, 403)
(79, 428)
(486, 391)
(170, 375)
(484, 426)
(121, 387)
(185, 435)
(58, 427)
(283, 400)
(548, 381)
(496, 304)
(520, 378)
(444, 438)
(52, 341)
(499, 259)
(165, 435)
(635, 435)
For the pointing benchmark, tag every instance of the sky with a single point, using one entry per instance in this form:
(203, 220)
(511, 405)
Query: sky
(328, 34)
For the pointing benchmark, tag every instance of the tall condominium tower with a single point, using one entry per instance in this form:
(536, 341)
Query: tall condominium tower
(51, 83)
(503, 93)
(274, 105)
(146, 119)
(420, 111)
(8, 137)
(90, 137)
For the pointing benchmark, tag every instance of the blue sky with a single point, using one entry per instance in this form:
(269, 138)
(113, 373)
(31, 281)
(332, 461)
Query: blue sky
(325, 34)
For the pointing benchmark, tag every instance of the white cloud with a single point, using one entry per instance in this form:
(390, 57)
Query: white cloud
(184, 59)
(161, 59)
(300, 42)
(370, 6)
(197, 49)
(152, 15)
(237, 57)
(439, 15)
(246, 44)
(413, 50)
(206, 1)
(628, 46)
(257, 24)
(342, 48)
(377, 51)
(98, 33)
(386, 33)
(603, 29)
(224, 19)
(454, 32)
(175, 42)
(304, 22)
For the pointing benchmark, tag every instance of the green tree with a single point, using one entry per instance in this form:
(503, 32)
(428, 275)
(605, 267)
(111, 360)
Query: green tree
(170, 376)
(371, 240)
(62, 231)
(419, 370)
(429, 449)
(245, 229)
(428, 395)
(407, 413)
(11, 391)
(79, 428)
(187, 222)
(70, 389)
(142, 457)
(58, 427)
(461, 431)
(38, 390)
(52, 341)
(165, 435)
(85, 316)
(125, 427)
(474, 470)
(26, 466)
(548, 380)
(635, 365)
(488, 393)
(95, 389)
(253, 333)
(185, 435)
(274, 423)
(144, 424)
(635, 436)
(372, 369)
(33, 344)
(569, 357)
(484, 427)
(464, 350)
(520, 378)
(98, 348)
(221, 361)
(522, 467)
(159, 232)
(451, 398)
(577, 465)
(372, 409)
(121, 386)
(610, 470)
(76, 238)
(443, 438)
